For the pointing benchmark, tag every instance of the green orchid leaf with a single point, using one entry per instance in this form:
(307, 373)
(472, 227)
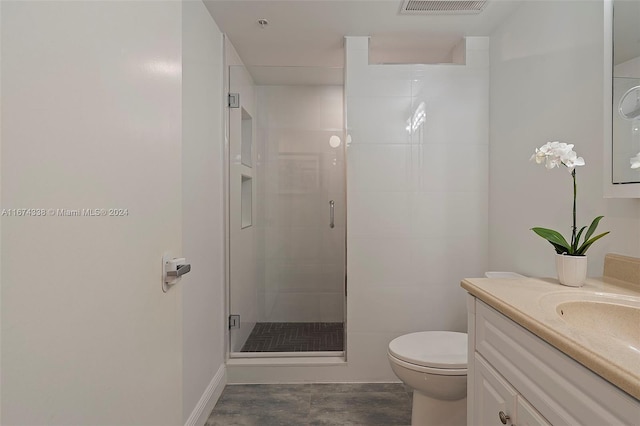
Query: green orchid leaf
(585, 246)
(577, 241)
(592, 228)
(555, 238)
(559, 248)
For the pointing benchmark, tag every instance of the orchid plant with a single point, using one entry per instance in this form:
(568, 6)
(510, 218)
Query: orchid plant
(556, 154)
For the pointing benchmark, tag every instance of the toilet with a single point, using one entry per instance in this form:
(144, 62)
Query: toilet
(434, 365)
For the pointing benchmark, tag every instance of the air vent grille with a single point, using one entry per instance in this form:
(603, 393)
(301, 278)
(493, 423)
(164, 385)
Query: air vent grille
(425, 7)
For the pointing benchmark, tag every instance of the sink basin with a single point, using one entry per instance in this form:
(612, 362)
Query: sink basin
(603, 316)
(620, 320)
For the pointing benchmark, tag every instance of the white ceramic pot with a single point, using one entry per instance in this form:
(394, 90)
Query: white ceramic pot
(572, 270)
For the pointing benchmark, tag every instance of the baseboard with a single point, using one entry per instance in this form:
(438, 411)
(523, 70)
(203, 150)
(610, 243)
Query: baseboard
(209, 398)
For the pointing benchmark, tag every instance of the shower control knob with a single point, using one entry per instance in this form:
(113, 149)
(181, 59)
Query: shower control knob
(503, 417)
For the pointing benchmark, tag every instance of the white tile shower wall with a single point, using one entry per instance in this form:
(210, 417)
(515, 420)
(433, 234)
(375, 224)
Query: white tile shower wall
(417, 195)
(560, 74)
(302, 258)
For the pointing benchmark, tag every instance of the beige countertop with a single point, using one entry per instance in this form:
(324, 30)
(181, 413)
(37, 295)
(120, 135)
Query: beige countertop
(531, 302)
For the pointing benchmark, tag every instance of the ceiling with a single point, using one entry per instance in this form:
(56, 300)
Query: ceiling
(310, 33)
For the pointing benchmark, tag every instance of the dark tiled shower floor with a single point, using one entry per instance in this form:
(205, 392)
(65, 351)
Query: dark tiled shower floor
(295, 337)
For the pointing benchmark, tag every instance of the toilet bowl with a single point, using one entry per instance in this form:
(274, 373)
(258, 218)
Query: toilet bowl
(434, 365)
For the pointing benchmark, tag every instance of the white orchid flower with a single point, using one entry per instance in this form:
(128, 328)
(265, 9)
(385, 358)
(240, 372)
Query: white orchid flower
(571, 160)
(552, 162)
(539, 156)
(547, 154)
(635, 162)
(553, 154)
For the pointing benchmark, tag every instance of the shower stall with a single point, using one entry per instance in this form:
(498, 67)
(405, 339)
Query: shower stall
(287, 216)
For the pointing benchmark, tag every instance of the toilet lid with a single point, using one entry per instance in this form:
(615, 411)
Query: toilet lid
(437, 349)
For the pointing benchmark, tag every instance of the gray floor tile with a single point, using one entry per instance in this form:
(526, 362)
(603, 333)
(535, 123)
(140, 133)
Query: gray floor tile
(264, 419)
(262, 405)
(361, 408)
(240, 404)
(300, 388)
(329, 388)
(328, 404)
(231, 420)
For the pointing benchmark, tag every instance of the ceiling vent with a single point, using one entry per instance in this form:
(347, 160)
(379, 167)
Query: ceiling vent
(441, 7)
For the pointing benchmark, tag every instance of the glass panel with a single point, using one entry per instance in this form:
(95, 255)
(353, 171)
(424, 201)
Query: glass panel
(247, 139)
(243, 234)
(288, 270)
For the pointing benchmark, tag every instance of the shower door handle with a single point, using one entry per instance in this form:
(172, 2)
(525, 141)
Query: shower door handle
(332, 206)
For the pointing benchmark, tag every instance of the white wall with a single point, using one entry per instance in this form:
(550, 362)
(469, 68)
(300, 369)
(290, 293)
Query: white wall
(417, 207)
(546, 84)
(629, 69)
(203, 295)
(300, 172)
(91, 118)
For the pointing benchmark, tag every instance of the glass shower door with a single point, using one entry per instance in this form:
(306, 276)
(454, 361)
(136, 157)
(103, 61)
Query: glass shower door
(287, 272)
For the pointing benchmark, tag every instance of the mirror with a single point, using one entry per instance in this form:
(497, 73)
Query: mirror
(626, 92)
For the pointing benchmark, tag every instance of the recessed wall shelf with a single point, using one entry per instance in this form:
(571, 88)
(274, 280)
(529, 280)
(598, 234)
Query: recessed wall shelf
(246, 208)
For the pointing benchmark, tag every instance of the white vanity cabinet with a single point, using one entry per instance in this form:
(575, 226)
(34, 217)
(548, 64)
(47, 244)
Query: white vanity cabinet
(497, 402)
(516, 378)
(527, 415)
(494, 397)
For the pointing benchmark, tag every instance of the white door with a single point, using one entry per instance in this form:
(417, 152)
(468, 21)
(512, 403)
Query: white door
(91, 119)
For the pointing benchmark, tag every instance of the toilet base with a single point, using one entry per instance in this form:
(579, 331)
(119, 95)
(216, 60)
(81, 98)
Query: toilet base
(428, 411)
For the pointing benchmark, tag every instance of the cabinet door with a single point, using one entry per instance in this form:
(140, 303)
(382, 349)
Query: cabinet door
(527, 415)
(493, 395)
